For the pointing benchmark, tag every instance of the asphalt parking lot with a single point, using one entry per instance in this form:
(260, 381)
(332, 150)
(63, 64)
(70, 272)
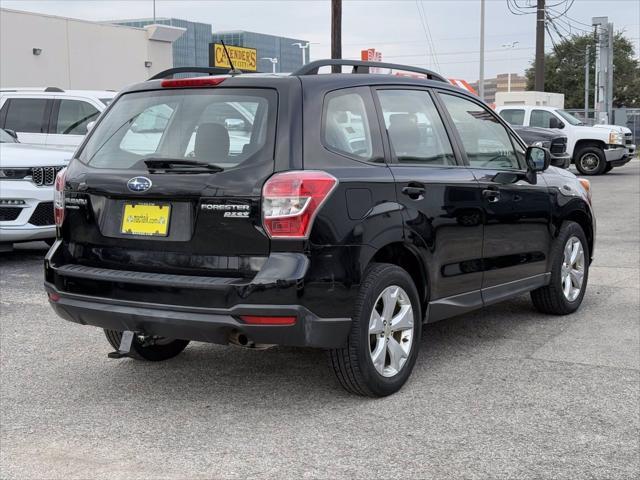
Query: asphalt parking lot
(504, 392)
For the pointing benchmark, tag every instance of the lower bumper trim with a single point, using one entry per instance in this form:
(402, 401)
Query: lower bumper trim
(205, 325)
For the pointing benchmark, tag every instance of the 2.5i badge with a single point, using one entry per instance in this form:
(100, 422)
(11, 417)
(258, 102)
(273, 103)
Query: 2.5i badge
(230, 211)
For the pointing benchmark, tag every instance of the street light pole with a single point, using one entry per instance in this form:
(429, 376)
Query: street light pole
(509, 47)
(274, 62)
(304, 47)
(481, 80)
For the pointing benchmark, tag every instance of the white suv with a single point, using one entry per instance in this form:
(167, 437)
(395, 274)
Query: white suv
(51, 116)
(27, 175)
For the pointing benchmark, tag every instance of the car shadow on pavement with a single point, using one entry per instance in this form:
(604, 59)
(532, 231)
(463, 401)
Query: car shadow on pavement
(24, 252)
(212, 373)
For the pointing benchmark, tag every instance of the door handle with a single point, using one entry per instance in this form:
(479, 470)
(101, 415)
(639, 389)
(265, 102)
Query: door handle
(491, 195)
(414, 190)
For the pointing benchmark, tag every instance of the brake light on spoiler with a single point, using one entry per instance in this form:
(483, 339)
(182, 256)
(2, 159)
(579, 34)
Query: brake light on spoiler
(291, 201)
(192, 82)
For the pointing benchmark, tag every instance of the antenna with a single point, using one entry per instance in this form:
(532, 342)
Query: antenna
(233, 70)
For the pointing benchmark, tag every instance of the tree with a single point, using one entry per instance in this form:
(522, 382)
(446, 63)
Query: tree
(564, 71)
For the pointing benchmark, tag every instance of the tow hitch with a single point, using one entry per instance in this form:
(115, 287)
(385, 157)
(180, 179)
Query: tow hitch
(125, 345)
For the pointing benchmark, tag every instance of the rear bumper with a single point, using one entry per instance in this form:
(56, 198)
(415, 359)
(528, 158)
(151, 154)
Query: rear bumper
(152, 314)
(214, 326)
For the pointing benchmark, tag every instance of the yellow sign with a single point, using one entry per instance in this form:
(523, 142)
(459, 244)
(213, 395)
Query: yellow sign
(146, 219)
(242, 58)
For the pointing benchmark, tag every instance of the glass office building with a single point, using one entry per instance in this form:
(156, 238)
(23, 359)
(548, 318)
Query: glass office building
(289, 56)
(191, 49)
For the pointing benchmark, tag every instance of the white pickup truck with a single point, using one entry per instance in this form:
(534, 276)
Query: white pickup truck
(594, 150)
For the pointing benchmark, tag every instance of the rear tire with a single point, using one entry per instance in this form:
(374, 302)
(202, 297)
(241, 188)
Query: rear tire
(608, 168)
(385, 334)
(591, 161)
(563, 296)
(153, 353)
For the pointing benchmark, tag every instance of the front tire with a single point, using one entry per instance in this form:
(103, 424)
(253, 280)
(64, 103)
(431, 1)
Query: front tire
(608, 168)
(569, 273)
(160, 349)
(591, 161)
(385, 334)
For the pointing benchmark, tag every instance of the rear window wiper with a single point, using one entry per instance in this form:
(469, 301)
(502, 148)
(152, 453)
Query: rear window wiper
(180, 165)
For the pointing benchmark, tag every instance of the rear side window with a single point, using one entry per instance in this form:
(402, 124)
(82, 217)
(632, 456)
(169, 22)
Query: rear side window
(415, 129)
(223, 126)
(73, 117)
(513, 116)
(26, 115)
(346, 127)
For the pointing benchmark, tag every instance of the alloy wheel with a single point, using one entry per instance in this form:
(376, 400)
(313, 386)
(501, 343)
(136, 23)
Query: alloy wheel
(391, 326)
(589, 162)
(572, 272)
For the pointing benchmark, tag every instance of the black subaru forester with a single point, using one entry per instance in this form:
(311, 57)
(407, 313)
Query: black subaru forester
(338, 211)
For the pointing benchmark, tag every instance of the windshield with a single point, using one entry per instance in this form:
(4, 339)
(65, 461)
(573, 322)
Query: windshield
(6, 138)
(569, 118)
(223, 127)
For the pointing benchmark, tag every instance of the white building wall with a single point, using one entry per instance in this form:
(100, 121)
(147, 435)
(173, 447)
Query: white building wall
(546, 99)
(76, 54)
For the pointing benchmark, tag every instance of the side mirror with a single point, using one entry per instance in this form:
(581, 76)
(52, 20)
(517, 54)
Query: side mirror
(11, 133)
(555, 123)
(90, 126)
(538, 159)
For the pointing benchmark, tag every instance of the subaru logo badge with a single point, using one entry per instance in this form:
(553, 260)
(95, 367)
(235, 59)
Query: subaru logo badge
(139, 184)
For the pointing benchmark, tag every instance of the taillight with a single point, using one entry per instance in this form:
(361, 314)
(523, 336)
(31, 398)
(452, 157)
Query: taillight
(192, 82)
(58, 197)
(291, 201)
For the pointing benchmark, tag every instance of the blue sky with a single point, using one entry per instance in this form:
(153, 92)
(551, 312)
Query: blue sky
(392, 26)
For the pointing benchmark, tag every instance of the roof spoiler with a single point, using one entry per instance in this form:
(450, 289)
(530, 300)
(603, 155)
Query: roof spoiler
(169, 73)
(361, 66)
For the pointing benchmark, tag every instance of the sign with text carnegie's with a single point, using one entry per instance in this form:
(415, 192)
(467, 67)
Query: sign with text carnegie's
(242, 58)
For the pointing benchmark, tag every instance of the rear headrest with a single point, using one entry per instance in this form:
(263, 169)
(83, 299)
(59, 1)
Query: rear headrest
(212, 142)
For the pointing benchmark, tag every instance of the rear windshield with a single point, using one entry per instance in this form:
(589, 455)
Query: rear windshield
(223, 127)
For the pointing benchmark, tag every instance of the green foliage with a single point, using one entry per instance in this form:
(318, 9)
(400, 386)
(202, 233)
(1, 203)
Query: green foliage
(564, 71)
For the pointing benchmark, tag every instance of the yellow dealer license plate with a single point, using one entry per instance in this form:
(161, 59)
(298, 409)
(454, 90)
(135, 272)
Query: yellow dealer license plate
(147, 219)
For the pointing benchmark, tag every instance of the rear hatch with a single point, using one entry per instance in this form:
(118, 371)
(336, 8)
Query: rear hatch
(170, 181)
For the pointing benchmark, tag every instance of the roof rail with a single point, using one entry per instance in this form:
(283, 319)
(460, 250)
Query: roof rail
(360, 66)
(172, 71)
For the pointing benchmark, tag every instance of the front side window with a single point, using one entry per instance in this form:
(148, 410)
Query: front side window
(26, 115)
(415, 129)
(223, 127)
(513, 116)
(486, 142)
(346, 125)
(73, 117)
(541, 118)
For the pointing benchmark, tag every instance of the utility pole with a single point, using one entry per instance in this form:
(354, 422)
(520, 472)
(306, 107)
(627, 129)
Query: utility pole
(604, 69)
(540, 28)
(481, 79)
(586, 84)
(336, 33)
(596, 76)
(154, 11)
